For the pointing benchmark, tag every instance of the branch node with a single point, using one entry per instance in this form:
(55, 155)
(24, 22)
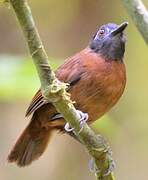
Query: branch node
(56, 91)
(36, 50)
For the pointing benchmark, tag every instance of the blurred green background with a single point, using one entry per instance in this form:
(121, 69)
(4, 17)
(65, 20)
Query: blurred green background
(66, 27)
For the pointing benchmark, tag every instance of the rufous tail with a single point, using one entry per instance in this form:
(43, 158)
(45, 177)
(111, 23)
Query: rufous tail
(30, 145)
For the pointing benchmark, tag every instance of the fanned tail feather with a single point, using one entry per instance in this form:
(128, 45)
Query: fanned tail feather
(30, 145)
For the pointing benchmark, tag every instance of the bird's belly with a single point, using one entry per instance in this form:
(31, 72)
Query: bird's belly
(96, 100)
(99, 105)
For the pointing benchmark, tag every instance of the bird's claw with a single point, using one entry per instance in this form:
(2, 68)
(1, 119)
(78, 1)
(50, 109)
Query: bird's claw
(82, 120)
(68, 128)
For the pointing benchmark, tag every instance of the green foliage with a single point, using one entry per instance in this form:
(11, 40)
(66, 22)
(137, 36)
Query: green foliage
(18, 78)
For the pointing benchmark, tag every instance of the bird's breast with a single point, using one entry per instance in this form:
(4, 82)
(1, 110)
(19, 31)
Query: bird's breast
(101, 86)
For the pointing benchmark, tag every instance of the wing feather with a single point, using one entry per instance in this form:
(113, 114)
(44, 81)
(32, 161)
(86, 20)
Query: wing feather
(70, 72)
(36, 103)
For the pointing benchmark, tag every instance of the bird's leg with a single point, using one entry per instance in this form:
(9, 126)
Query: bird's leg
(82, 121)
(111, 163)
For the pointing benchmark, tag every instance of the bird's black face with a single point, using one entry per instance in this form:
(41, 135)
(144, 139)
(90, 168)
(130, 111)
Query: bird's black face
(109, 41)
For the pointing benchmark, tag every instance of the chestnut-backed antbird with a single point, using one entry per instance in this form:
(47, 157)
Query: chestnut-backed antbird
(97, 79)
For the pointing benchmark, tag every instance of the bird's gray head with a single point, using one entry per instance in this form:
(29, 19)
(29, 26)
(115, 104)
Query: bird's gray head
(109, 41)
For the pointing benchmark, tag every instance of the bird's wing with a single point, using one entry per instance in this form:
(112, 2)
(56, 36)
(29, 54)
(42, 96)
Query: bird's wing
(36, 103)
(70, 72)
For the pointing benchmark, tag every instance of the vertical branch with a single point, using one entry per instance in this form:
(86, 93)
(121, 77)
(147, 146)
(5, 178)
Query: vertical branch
(139, 15)
(37, 51)
(55, 92)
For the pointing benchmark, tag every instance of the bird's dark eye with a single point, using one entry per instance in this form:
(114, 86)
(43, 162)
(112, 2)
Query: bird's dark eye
(101, 32)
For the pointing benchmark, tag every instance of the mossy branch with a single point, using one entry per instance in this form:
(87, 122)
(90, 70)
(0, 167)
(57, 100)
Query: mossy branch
(139, 15)
(55, 91)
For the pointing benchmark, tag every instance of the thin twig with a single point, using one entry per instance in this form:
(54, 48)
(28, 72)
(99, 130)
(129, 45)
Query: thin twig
(55, 91)
(139, 15)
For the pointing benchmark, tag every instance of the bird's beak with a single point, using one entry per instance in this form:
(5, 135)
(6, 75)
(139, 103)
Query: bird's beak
(119, 29)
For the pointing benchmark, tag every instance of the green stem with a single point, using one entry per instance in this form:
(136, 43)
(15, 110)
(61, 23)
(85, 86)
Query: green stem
(139, 15)
(55, 91)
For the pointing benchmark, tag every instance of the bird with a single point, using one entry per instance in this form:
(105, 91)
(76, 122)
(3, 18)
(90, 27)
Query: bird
(96, 77)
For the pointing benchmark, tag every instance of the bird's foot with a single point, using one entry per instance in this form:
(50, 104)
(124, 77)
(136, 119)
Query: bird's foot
(68, 128)
(82, 121)
(111, 164)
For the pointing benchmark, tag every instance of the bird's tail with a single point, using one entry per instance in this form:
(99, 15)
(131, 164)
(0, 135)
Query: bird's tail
(30, 145)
